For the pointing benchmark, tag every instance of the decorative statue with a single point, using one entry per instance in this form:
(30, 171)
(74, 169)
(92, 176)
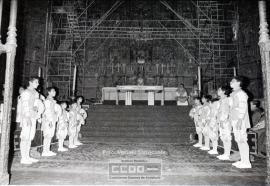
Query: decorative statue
(181, 95)
(140, 80)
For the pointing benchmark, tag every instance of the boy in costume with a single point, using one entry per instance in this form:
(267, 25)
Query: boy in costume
(82, 115)
(49, 120)
(62, 127)
(213, 125)
(205, 119)
(225, 128)
(73, 124)
(195, 114)
(30, 110)
(239, 118)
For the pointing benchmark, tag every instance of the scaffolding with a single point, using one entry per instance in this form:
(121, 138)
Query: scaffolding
(216, 52)
(69, 27)
(64, 34)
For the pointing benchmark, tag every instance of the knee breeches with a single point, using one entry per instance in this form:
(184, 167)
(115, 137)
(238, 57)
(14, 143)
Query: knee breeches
(28, 129)
(240, 135)
(62, 134)
(48, 131)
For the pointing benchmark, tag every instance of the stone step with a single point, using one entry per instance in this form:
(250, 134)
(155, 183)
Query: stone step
(138, 139)
(145, 121)
(135, 133)
(126, 107)
(123, 124)
(145, 113)
(139, 123)
(160, 135)
(137, 128)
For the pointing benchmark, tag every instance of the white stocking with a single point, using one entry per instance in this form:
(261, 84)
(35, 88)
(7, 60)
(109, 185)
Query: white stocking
(227, 148)
(46, 144)
(23, 148)
(60, 143)
(71, 140)
(215, 143)
(206, 141)
(244, 152)
(76, 137)
(28, 149)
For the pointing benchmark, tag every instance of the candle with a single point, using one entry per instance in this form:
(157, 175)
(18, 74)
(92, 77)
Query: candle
(74, 80)
(124, 68)
(199, 78)
(234, 71)
(157, 67)
(39, 72)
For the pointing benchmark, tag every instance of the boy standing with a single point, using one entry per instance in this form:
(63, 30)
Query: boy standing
(73, 124)
(49, 121)
(240, 120)
(30, 111)
(62, 127)
(82, 115)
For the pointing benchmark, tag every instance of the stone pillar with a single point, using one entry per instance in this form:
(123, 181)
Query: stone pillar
(264, 44)
(10, 49)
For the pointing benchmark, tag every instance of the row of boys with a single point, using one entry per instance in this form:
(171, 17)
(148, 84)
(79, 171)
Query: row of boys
(219, 117)
(54, 118)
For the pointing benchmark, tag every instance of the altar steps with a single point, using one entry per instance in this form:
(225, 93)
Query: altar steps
(138, 124)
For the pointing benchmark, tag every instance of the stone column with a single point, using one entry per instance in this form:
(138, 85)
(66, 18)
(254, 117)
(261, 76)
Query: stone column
(10, 49)
(264, 44)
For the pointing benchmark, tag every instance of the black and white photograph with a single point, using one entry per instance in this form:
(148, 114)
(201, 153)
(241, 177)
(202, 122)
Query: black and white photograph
(135, 92)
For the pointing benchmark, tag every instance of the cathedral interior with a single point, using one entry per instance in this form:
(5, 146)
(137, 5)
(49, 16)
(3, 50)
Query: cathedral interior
(81, 47)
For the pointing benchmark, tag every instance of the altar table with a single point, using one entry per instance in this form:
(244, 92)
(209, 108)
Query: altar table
(139, 93)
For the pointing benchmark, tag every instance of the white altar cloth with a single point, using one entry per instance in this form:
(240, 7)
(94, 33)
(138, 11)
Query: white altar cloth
(112, 94)
(129, 89)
